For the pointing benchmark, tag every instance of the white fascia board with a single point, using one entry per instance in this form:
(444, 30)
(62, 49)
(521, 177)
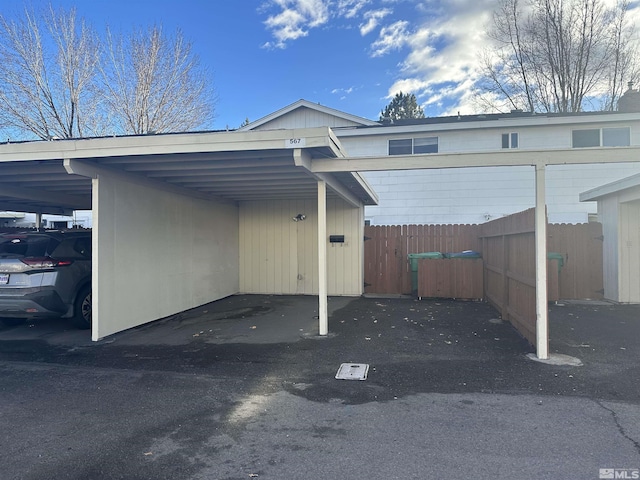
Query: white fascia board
(503, 123)
(164, 144)
(313, 106)
(368, 188)
(335, 145)
(302, 159)
(610, 188)
(338, 188)
(496, 158)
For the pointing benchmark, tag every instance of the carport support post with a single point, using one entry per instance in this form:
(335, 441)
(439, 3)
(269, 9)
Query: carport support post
(542, 317)
(38, 221)
(323, 316)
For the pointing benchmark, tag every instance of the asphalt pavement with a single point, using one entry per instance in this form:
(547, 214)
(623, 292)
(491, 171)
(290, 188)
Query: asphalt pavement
(244, 388)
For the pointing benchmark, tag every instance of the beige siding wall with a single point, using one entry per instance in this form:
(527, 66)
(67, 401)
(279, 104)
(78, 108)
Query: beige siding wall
(629, 252)
(306, 118)
(280, 256)
(608, 216)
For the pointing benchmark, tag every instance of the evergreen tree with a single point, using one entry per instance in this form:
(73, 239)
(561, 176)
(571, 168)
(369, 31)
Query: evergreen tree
(401, 107)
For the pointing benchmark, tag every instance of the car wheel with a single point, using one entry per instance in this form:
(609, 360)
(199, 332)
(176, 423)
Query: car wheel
(82, 309)
(11, 322)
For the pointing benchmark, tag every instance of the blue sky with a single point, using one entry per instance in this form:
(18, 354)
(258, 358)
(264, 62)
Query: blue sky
(352, 55)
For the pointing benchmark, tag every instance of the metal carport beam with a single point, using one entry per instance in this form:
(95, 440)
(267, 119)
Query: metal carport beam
(302, 158)
(497, 158)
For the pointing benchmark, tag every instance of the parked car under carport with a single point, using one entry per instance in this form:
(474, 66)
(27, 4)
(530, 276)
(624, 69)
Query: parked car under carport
(46, 274)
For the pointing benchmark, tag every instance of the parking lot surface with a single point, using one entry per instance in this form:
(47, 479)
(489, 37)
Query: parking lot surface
(244, 388)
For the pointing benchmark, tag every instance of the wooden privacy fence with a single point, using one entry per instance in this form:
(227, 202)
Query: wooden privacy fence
(581, 275)
(510, 267)
(510, 270)
(508, 275)
(387, 270)
(460, 278)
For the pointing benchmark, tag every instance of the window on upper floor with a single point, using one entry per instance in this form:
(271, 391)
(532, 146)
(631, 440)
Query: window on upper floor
(616, 137)
(408, 146)
(401, 147)
(510, 140)
(605, 137)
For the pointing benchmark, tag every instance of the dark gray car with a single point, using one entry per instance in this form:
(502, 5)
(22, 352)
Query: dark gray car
(46, 274)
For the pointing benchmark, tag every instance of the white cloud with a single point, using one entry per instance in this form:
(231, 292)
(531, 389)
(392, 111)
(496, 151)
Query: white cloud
(443, 40)
(392, 37)
(437, 44)
(351, 8)
(342, 91)
(373, 18)
(444, 63)
(295, 19)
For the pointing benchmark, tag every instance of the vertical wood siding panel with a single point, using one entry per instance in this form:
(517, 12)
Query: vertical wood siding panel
(280, 234)
(291, 252)
(334, 255)
(634, 246)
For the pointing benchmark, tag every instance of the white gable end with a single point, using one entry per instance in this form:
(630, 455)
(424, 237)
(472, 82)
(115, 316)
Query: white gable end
(305, 114)
(306, 118)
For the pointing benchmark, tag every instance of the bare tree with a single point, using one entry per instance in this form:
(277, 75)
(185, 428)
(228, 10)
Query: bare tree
(557, 55)
(624, 66)
(47, 72)
(57, 80)
(154, 83)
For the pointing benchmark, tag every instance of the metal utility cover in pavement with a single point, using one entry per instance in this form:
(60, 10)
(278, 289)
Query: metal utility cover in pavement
(353, 371)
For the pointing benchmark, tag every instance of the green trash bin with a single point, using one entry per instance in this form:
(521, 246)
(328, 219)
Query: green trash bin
(556, 256)
(413, 261)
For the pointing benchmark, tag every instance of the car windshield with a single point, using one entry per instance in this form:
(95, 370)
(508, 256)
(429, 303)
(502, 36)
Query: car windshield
(26, 245)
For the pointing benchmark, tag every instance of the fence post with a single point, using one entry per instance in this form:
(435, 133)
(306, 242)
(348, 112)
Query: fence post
(505, 278)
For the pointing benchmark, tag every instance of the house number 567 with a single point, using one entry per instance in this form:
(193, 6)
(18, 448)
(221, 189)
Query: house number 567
(294, 142)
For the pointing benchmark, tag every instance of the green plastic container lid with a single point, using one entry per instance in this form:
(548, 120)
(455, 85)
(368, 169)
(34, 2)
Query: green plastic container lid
(414, 256)
(556, 256)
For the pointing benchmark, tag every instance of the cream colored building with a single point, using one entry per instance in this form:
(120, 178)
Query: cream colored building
(473, 195)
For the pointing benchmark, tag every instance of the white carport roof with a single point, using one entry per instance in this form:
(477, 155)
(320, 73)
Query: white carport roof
(55, 176)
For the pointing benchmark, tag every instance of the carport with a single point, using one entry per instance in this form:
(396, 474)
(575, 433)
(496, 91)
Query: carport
(165, 209)
(538, 159)
(172, 213)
